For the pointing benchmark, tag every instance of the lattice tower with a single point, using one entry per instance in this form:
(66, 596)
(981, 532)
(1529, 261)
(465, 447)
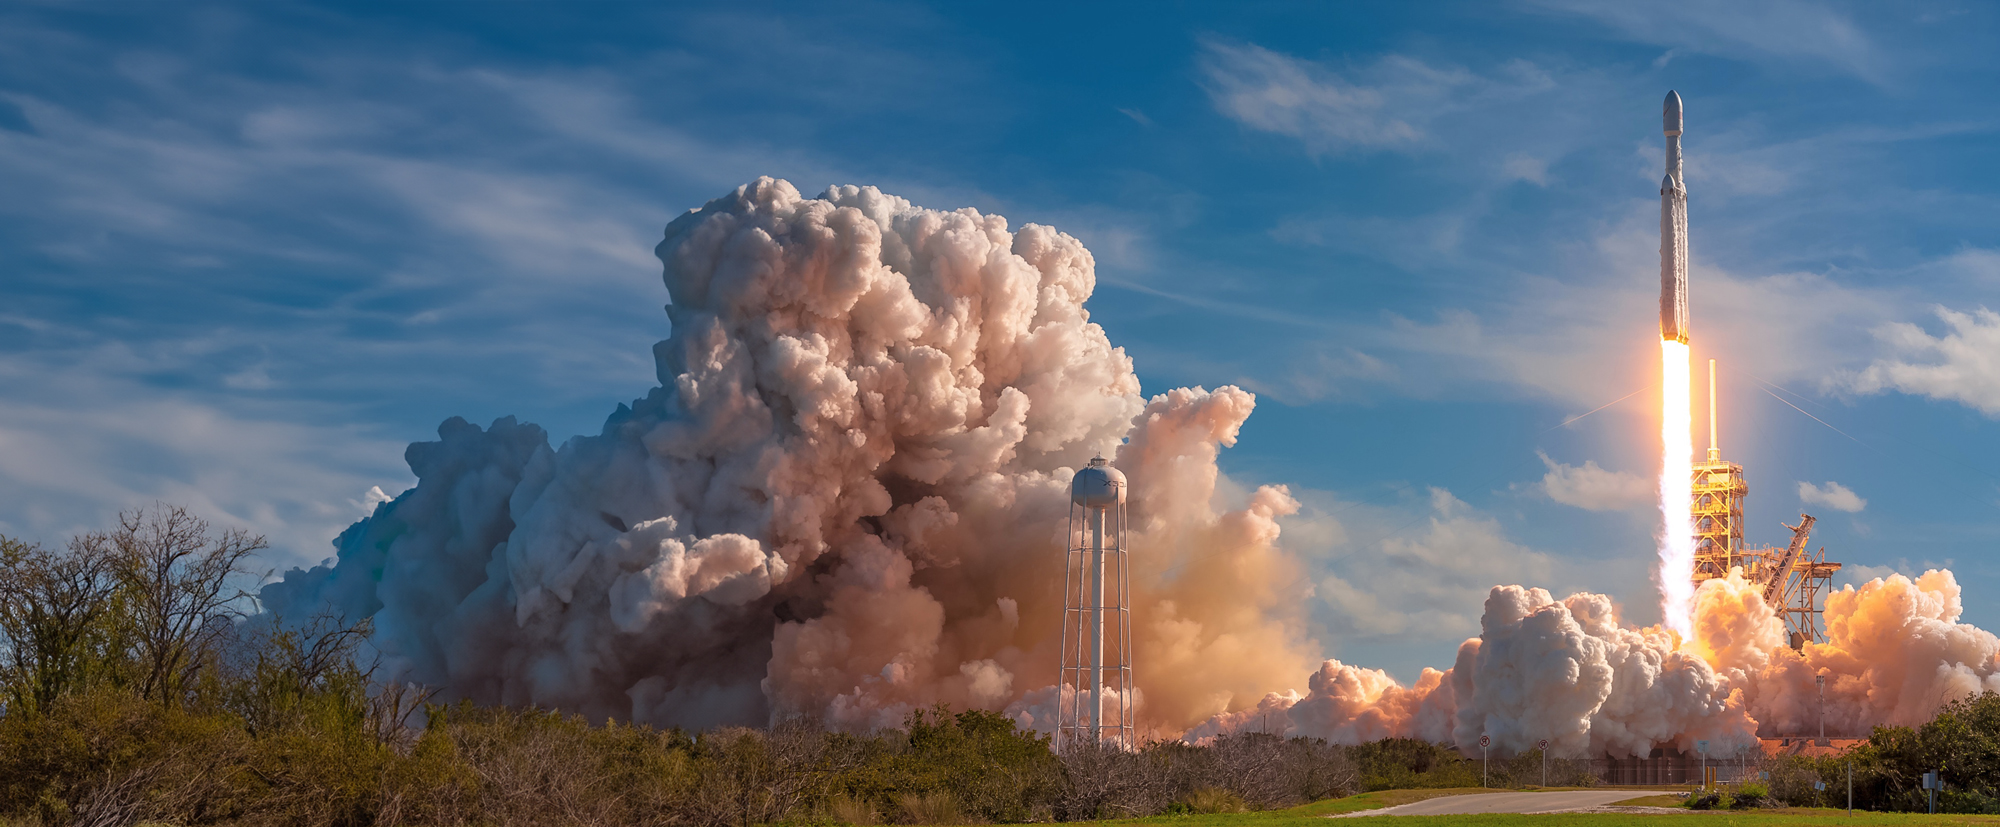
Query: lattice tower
(1791, 578)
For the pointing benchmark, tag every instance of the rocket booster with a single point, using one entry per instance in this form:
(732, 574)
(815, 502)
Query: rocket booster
(1673, 232)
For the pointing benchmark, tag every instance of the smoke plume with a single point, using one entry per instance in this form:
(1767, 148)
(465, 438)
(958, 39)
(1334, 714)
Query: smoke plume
(846, 499)
(1570, 672)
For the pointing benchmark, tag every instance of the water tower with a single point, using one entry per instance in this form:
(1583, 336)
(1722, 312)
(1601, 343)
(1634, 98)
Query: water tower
(1094, 704)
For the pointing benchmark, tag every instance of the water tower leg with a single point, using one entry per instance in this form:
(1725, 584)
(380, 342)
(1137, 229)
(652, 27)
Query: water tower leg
(1096, 625)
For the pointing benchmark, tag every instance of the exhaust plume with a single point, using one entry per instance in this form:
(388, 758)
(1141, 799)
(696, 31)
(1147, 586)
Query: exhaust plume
(1572, 672)
(1676, 498)
(845, 499)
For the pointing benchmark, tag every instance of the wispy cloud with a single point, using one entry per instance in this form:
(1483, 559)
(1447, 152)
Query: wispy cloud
(1590, 487)
(1388, 573)
(82, 437)
(1962, 364)
(1789, 30)
(1384, 105)
(1832, 495)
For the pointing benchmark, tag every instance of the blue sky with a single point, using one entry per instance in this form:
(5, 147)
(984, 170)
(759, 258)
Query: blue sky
(249, 251)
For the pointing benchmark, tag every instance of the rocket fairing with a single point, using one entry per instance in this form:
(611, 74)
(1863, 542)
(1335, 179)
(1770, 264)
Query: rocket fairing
(1673, 232)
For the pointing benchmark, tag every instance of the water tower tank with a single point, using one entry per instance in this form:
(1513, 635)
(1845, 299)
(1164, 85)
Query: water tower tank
(1097, 485)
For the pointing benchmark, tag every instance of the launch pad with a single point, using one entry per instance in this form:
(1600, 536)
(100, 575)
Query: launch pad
(1792, 577)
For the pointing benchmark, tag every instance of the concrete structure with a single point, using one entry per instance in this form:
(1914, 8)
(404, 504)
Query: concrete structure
(1095, 681)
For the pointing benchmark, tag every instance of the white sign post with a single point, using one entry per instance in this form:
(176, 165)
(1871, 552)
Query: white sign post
(1544, 745)
(1484, 741)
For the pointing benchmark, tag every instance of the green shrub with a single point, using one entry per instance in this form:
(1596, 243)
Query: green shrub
(1750, 795)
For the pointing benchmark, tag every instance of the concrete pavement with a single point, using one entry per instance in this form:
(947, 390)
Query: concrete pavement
(1542, 802)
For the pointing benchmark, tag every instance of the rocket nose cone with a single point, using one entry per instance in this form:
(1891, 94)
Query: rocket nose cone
(1671, 112)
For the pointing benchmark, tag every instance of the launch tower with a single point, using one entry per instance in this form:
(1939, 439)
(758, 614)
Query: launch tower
(1719, 490)
(1791, 577)
(1094, 689)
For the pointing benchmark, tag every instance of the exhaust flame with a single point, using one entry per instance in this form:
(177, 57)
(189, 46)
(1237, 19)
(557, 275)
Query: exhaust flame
(1676, 472)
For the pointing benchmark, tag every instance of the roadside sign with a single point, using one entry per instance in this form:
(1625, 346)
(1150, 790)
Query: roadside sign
(1701, 747)
(1485, 741)
(1543, 744)
(1819, 785)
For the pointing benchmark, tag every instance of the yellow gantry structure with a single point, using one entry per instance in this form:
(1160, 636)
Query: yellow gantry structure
(1792, 577)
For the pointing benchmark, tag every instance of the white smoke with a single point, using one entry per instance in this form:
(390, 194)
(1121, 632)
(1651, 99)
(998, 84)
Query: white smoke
(845, 500)
(1570, 672)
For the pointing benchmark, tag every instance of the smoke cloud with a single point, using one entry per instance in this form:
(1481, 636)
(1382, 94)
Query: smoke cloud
(1571, 672)
(847, 496)
(845, 499)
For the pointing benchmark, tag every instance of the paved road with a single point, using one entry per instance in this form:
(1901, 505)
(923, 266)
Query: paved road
(1452, 805)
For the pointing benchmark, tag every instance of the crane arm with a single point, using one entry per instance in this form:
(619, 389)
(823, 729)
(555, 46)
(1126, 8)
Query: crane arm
(1782, 572)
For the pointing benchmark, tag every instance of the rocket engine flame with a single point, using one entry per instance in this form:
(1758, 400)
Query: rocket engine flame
(1676, 469)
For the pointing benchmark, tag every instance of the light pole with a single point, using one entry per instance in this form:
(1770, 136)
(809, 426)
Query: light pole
(1820, 681)
(1702, 747)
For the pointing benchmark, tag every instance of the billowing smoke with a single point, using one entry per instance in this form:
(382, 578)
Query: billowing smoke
(1570, 672)
(846, 499)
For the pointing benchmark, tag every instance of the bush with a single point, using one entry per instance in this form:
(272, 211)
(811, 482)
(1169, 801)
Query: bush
(1214, 800)
(1708, 801)
(1751, 795)
(845, 809)
(1792, 780)
(1408, 763)
(930, 808)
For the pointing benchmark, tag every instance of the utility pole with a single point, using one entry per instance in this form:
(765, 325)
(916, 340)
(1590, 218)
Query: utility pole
(1850, 788)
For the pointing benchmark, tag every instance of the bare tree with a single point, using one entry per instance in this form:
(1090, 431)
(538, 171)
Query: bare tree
(180, 583)
(284, 664)
(52, 605)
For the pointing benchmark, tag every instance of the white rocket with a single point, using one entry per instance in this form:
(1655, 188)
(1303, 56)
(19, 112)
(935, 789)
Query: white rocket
(1673, 232)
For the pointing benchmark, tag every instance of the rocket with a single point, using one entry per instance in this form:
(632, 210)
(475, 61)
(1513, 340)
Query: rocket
(1673, 232)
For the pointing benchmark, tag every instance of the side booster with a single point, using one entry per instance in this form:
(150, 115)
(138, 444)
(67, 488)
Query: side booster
(1673, 232)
